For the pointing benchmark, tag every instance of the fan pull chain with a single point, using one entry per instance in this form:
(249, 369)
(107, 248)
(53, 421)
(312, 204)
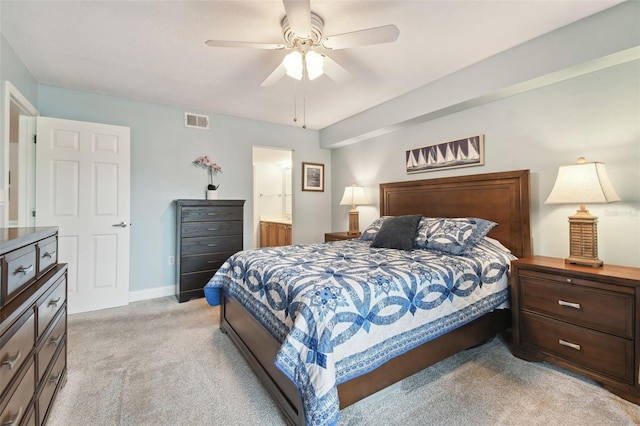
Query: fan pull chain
(304, 113)
(295, 102)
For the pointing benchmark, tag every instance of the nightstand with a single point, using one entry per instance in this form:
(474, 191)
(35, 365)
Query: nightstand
(339, 236)
(581, 318)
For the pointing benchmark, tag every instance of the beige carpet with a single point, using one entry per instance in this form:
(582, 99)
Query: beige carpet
(159, 362)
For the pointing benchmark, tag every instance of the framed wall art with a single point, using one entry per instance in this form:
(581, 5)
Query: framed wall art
(464, 152)
(313, 177)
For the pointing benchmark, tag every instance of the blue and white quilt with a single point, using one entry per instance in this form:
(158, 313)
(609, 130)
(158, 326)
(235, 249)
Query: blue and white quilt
(342, 309)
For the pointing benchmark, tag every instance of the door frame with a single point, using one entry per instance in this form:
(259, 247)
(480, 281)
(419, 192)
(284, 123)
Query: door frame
(13, 97)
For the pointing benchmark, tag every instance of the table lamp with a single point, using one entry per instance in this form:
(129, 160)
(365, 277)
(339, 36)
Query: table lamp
(583, 183)
(354, 196)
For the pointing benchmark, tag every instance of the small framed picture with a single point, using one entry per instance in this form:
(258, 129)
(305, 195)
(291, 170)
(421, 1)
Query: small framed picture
(313, 177)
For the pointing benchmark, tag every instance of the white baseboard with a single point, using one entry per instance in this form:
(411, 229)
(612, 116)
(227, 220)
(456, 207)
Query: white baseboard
(152, 293)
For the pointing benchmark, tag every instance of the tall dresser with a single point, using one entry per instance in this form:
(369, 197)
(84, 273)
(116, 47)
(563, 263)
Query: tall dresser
(33, 327)
(208, 232)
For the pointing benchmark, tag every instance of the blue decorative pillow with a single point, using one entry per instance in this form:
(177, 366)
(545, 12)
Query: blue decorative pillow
(397, 232)
(451, 235)
(371, 231)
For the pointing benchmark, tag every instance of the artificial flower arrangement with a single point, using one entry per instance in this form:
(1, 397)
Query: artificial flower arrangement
(212, 168)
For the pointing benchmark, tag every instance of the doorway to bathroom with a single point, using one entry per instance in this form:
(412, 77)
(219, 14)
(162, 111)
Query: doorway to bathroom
(272, 197)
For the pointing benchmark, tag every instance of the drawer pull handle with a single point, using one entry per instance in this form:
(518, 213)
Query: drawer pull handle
(55, 379)
(23, 270)
(15, 420)
(569, 344)
(569, 280)
(54, 302)
(49, 254)
(211, 245)
(569, 304)
(11, 361)
(212, 229)
(55, 341)
(212, 214)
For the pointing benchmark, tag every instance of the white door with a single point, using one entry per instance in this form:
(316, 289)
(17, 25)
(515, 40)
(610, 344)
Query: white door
(82, 187)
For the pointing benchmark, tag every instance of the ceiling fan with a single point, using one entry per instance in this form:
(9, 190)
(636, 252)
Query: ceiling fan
(303, 35)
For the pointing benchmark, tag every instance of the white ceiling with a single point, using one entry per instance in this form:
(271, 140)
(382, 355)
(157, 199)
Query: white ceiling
(155, 50)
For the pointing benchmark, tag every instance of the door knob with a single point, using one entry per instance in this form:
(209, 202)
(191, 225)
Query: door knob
(120, 225)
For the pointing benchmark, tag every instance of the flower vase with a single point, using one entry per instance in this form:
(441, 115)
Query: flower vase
(212, 194)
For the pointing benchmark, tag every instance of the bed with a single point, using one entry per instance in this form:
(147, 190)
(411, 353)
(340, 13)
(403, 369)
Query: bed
(499, 197)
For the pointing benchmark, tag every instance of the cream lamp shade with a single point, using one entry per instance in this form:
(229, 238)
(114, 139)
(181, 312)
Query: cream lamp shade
(583, 183)
(354, 196)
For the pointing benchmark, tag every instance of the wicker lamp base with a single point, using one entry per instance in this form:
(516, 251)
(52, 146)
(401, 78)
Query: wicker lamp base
(583, 239)
(354, 223)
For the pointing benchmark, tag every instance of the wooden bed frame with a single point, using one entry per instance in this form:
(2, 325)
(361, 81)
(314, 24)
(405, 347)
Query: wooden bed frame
(501, 197)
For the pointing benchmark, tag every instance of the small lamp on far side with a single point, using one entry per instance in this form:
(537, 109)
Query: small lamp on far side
(583, 183)
(354, 196)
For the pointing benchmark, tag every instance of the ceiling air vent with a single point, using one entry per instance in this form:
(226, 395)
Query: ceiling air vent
(196, 121)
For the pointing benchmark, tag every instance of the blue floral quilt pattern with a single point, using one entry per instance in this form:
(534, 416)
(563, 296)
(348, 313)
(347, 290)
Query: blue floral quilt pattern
(342, 309)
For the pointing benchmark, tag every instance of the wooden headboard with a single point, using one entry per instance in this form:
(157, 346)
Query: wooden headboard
(501, 197)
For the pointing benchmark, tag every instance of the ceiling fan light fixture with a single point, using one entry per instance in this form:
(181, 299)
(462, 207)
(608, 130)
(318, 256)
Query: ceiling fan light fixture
(314, 62)
(293, 64)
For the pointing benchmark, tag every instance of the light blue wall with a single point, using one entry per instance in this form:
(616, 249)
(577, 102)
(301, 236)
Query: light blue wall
(12, 69)
(596, 116)
(162, 150)
(570, 93)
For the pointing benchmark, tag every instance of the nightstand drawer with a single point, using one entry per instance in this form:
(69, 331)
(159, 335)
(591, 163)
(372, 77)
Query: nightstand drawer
(601, 310)
(602, 353)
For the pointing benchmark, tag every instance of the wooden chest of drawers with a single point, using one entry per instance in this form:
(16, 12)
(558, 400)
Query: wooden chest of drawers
(208, 232)
(33, 327)
(581, 318)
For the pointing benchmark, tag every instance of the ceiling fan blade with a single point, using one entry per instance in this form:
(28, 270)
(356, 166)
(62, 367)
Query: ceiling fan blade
(299, 16)
(334, 70)
(275, 76)
(253, 45)
(377, 35)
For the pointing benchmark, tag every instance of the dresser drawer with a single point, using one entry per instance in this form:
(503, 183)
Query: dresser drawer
(30, 418)
(20, 401)
(20, 271)
(50, 304)
(51, 342)
(47, 254)
(601, 310)
(600, 352)
(50, 383)
(195, 281)
(203, 262)
(192, 246)
(16, 347)
(211, 213)
(211, 229)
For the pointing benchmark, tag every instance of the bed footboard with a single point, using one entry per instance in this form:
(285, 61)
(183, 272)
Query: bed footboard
(259, 349)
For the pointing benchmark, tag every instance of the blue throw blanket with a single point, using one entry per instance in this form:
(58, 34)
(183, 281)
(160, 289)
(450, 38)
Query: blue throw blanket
(342, 309)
